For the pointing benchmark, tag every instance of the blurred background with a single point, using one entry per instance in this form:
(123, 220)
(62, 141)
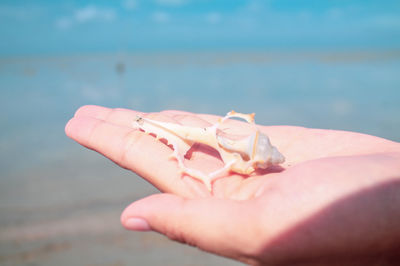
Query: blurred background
(326, 64)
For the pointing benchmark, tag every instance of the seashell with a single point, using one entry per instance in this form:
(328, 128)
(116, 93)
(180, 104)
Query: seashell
(241, 156)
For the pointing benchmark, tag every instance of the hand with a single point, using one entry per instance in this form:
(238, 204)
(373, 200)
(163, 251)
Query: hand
(335, 199)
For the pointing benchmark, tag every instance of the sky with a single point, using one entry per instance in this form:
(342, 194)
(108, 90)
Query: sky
(68, 27)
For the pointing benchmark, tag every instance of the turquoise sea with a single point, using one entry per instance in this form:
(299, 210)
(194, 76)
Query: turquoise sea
(60, 203)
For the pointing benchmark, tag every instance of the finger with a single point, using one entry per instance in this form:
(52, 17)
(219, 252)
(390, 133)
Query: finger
(176, 112)
(186, 118)
(125, 117)
(209, 118)
(118, 116)
(208, 223)
(131, 149)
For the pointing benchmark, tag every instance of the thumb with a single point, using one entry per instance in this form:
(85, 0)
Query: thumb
(224, 227)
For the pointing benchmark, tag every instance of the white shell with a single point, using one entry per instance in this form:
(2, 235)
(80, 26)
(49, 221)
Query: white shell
(242, 156)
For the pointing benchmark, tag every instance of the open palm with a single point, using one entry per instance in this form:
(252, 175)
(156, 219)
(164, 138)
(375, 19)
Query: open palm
(257, 219)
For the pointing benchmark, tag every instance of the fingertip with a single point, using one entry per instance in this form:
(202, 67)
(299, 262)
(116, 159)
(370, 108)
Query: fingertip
(68, 127)
(80, 128)
(133, 216)
(71, 128)
(126, 214)
(74, 125)
(134, 220)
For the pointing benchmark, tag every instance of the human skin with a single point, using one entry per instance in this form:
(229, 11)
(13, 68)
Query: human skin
(335, 200)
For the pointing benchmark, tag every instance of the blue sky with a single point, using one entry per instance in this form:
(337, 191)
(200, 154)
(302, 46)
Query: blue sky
(65, 27)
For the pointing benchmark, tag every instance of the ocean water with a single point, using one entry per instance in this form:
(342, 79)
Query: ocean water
(60, 203)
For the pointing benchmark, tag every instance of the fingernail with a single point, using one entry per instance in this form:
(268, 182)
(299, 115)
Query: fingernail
(137, 224)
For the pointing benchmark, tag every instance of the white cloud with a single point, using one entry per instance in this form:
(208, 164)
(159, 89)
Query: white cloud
(213, 18)
(130, 4)
(91, 12)
(84, 15)
(161, 17)
(171, 2)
